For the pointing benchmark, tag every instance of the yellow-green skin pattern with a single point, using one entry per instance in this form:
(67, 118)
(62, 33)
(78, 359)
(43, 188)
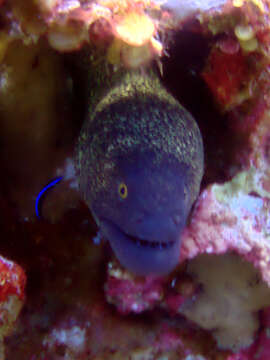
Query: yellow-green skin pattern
(138, 135)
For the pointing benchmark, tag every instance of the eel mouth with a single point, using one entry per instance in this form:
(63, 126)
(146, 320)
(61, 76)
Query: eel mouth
(159, 245)
(141, 242)
(141, 255)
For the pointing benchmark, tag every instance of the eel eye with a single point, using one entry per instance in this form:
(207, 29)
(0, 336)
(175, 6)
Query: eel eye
(122, 190)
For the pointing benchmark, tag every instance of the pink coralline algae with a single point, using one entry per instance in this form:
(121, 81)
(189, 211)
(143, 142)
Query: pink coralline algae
(223, 223)
(131, 295)
(235, 216)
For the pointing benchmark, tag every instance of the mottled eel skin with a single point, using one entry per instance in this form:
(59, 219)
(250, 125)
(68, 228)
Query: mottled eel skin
(139, 160)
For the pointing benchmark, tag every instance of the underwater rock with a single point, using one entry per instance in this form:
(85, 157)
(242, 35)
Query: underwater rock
(187, 8)
(34, 82)
(133, 295)
(231, 217)
(227, 304)
(66, 313)
(260, 349)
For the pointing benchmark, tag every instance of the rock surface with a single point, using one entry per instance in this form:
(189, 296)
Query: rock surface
(80, 303)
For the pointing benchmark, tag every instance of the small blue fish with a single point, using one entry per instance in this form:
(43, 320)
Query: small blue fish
(42, 193)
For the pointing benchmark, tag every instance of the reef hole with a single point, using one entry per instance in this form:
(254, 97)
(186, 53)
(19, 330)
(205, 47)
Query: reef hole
(182, 74)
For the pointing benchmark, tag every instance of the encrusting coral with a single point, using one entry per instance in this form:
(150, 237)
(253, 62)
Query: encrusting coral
(228, 303)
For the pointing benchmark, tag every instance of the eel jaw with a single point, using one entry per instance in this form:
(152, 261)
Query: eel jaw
(141, 256)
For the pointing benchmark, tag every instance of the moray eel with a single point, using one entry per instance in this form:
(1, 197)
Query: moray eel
(139, 162)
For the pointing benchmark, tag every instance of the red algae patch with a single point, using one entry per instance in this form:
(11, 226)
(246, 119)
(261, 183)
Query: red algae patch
(12, 280)
(226, 75)
(12, 295)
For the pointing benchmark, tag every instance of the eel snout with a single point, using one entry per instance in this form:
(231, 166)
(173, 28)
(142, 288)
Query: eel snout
(143, 254)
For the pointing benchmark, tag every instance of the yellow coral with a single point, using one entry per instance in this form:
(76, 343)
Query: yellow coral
(244, 33)
(135, 29)
(258, 3)
(114, 51)
(249, 45)
(238, 3)
(246, 37)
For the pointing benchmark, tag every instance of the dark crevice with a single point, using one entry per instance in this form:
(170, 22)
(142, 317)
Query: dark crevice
(182, 75)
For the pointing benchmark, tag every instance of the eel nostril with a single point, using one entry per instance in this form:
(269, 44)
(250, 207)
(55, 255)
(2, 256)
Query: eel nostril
(177, 218)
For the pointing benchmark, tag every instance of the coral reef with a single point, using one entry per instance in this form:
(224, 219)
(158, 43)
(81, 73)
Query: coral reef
(12, 295)
(80, 303)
